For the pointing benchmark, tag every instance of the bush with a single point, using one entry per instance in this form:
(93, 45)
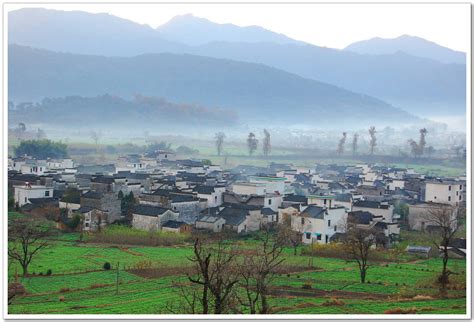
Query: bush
(401, 311)
(307, 286)
(49, 272)
(61, 299)
(333, 302)
(107, 266)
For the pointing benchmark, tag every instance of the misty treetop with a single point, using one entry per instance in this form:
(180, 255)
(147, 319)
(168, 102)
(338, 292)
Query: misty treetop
(42, 149)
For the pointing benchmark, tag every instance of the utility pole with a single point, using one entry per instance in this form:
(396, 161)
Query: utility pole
(117, 280)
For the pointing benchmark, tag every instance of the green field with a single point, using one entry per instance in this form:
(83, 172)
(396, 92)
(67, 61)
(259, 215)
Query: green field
(79, 285)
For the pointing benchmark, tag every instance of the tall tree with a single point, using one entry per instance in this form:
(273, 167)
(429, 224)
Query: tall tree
(267, 147)
(355, 140)
(373, 139)
(26, 237)
(287, 236)
(342, 142)
(358, 242)
(252, 143)
(445, 218)
(95, 136)
(220, 136)
(422, 142)
(257, 270)
(214, 270)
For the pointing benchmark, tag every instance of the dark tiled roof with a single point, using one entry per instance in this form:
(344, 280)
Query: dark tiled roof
(370, 204)
(148, 210)
(204, 190)
(103, 179)
(233, 216)
(41, 201)
(174, 198)
(173, 224)
(92, 195)
(344, 197)
(360, 217)
(268, 211)
(296, 198)
(85, 209)
(313, 212)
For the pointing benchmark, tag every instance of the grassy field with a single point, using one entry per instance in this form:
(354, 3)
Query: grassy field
(79, 285)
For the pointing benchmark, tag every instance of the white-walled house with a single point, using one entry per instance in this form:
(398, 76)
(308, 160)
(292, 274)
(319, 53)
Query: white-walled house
(375, 207)
(28, 191)
(318, 224)
(213, 195)
(147, 217)
(446, 192)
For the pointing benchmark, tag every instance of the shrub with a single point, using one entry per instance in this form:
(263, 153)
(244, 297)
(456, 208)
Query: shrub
(64, 290)
(41, 273)
(307, 286)
(400, 311)
(49, 272)
(107, 266)
(61, 299)
(333, 302)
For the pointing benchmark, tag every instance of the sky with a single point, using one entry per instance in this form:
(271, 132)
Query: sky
(328, 25)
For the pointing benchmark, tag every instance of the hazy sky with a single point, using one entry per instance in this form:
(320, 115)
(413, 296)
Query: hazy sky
(330, 25)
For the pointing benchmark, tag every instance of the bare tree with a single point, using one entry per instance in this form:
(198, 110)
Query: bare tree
(267, 147)
(220, 136)
(422, 143)
(40, 134)
(257, 270)
(214, 270)
(26, 237)
(287, 236)
(445, 219)
(358, 242)
(342, 142)
(252, 143)
(373, 139)
(355, 140)
(95, 136)
(415, 149)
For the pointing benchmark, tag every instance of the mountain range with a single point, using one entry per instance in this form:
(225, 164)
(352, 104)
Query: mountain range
(255, 91)
(411, 45)
(418, 81)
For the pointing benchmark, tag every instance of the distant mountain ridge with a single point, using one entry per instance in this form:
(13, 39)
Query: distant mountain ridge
(255, 92)
(195, 31)
(416, 84)
(411, 45)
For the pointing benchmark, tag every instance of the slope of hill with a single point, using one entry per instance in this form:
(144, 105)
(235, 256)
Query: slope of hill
(191, 30)
(84, 33)
(254, 91)
(411, 45)
(416, 84)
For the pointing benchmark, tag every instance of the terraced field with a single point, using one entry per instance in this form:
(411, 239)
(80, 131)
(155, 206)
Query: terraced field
(79, 285)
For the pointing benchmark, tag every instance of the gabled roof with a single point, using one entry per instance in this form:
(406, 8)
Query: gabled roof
(92, 195)
(361, 217)
(296, 198)
(173, 224)
(148, 210)
(370, 204)
(313, 211)
(175, 198)
(268, 211)
(343, 197)
(204, 190)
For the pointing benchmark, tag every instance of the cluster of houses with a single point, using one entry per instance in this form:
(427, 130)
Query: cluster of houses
(177, 195)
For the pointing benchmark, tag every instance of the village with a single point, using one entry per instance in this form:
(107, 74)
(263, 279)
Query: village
(158, 191)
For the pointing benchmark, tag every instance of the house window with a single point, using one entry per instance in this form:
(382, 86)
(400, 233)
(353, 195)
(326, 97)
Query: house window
(46, 193)
(449, 198)
(215, 198)
(327, 239)
(435, 197)
(460, 197)
(335, 227)
(302, 221)
(460, 187)
(318, 236)
(449, 188)
(26, 199)
(329, 223)
(308, 235)
(269, 201)
(41, 169)
(325, 200)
